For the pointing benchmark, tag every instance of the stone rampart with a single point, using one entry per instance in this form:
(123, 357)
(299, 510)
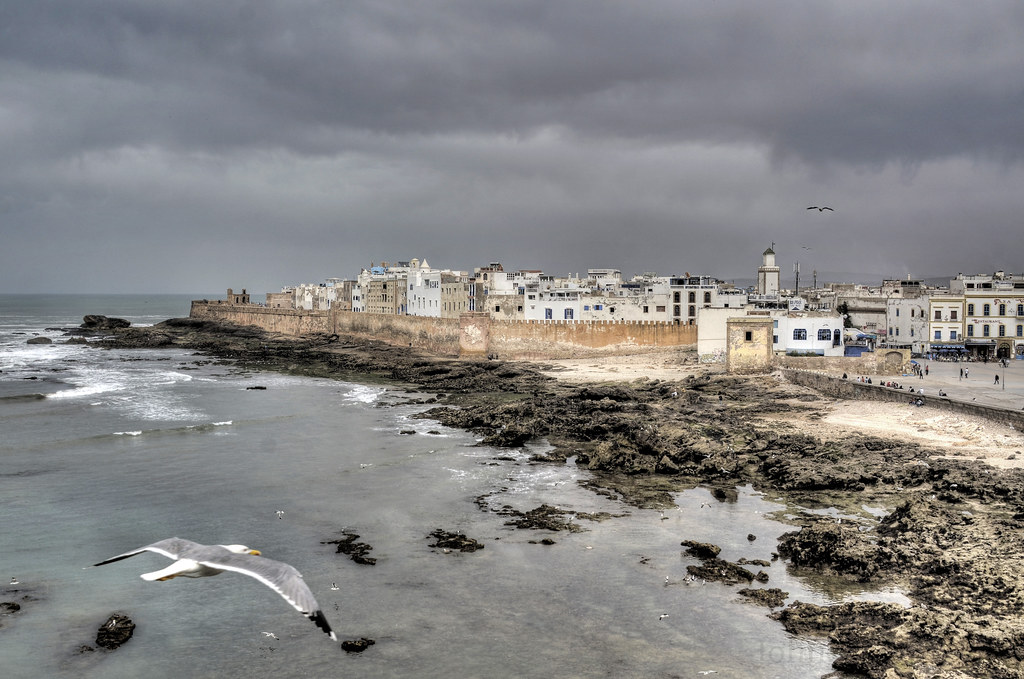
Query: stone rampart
(295, 322)
(438, 336)
(880, 362)
(471, 335)
(857, 390)
(537, 340)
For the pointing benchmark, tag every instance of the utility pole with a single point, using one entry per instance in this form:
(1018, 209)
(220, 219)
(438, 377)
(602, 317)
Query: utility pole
(796, 269)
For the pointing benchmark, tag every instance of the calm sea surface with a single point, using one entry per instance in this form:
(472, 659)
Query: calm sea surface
(102, 451)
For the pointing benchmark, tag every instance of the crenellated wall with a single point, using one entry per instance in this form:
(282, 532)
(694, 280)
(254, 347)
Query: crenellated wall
(568, 339)
(474, 334)
(285, 321)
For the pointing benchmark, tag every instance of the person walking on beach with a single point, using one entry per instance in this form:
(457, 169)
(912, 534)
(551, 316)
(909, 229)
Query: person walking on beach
(967, 373)
(926, 370)
(997, 380)
(961, 372)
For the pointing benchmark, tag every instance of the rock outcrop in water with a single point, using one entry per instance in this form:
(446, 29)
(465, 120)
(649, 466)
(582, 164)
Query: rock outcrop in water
(954, 541)
(117, 630)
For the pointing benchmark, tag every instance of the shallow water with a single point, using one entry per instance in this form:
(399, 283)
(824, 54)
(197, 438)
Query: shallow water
(128, 447)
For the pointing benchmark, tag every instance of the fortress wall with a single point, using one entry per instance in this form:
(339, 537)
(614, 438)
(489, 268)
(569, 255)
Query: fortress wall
(473, 334)
(293, 322)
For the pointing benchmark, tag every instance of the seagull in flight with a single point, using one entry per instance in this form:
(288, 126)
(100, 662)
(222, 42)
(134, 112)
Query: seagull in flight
(271, 635)
(194, 560)
(821, 209)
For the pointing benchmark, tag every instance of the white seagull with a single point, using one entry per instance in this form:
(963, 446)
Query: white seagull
(193, 560)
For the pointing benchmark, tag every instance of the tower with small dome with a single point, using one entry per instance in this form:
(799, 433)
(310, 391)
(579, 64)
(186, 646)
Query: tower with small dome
(768, 273)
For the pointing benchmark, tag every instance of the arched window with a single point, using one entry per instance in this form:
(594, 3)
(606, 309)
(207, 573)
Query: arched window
(707, 298)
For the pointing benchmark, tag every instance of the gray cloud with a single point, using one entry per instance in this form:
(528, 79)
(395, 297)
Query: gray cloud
(192, 146)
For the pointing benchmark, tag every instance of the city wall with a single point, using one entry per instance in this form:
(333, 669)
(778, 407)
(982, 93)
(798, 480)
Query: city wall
(295, 322)
(471, 335)
(856, 390)
(881, 362)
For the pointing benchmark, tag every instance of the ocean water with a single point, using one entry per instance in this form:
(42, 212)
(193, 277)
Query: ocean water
(103, 451)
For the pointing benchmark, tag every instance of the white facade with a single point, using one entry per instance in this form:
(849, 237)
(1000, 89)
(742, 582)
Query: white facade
(907, 322)
(794, 332)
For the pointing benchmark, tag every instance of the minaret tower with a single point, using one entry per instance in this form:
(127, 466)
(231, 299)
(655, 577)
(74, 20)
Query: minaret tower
(768, 274)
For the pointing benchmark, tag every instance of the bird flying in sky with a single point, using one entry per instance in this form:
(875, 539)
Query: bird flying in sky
(821, 209)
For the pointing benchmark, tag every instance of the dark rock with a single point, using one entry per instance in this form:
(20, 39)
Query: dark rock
(99, 322)
(454, 541)
(701, 550)
(256, 388)
(357, 645)
(356, 551)
(773, 598)
(407, 432)
(720, 571)
(117, 630)
(39, 340)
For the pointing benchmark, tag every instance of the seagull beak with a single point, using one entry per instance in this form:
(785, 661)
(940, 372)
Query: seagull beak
(254, 552)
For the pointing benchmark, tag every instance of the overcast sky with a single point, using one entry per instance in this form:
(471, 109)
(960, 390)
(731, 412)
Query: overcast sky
(158, 146)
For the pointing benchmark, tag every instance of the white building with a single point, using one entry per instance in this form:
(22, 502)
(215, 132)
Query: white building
(818, 333)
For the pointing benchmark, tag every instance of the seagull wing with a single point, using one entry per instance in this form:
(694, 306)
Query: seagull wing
(280, 577)
(813, 207)
(828, 208)
(172, 548)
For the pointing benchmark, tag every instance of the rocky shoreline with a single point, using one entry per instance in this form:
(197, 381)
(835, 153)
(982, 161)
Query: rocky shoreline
(951, 537)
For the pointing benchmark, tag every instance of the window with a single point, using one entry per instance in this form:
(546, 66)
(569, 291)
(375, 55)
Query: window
(675, 297)
(985, 330)
(1002, 331)
(938, 315)
(547, 314)
(952, 334)
(646, 309)
(970, 309)
(692, 297)
(952, 315)
(693, 311)
(800, 334)
(897, 312)
(1002, 309)
(1020, 331)
(775, 339)
(748, 336)
(660, 308)
(497, 308)
(568, 314)
(707, 298)
(598, 307)
(938, 335)
(1020, 309)
(985, 309)
(824, 334)
(970, 331)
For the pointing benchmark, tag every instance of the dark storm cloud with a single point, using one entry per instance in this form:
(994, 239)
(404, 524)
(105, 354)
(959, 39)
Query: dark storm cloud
(558, 135)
